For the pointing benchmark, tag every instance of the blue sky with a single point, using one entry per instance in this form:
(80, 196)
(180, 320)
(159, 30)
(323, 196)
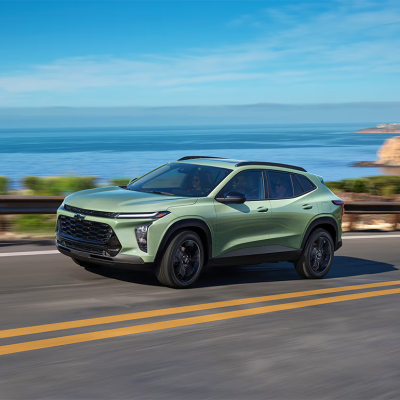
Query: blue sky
(173, 53)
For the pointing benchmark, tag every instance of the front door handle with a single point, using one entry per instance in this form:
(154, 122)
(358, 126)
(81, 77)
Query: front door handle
(262, 209)
(307, 206)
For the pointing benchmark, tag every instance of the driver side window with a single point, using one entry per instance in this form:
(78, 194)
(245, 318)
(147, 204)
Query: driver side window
(250, 183)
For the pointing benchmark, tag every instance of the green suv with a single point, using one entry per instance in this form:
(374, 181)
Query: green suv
(205, 211)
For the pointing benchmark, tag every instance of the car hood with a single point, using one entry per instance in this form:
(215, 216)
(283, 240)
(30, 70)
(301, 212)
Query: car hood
(116, 199)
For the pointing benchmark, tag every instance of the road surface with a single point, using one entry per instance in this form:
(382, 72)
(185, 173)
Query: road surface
(242, 333)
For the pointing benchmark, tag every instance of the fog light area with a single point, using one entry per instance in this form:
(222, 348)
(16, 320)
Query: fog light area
(141, 236)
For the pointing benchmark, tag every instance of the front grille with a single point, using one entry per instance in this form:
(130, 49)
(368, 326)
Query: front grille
(83, 247)
(88, 236)
(89, 231)
(94, 213)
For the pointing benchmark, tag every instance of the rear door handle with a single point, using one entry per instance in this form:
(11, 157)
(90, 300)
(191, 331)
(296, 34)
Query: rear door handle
(307, 206)
(262, 209)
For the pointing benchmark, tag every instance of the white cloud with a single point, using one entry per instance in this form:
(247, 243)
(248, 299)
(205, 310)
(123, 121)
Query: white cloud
(307, 43)
(78, 73)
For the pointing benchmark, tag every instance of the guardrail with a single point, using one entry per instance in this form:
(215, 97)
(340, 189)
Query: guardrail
(30, 204)
(353, 208)
(49, 205)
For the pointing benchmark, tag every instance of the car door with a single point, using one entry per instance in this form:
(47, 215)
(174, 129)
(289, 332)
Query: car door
(242, 229)
(292, 208)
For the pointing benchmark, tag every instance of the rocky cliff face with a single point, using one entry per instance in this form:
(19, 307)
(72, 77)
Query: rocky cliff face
(389, 153)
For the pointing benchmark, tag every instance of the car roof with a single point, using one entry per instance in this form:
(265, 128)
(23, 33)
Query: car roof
(234, 164)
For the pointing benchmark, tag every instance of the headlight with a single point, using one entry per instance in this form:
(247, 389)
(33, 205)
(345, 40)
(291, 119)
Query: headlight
(153, 215)
(62, 205)
(141, 236)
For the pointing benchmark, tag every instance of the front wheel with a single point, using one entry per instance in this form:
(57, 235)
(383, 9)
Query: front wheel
(182, 261)
(317, 257)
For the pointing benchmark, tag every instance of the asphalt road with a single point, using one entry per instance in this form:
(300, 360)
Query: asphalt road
(336, 342)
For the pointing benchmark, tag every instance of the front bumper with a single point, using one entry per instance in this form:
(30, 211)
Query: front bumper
(124, 229)
(120, 260)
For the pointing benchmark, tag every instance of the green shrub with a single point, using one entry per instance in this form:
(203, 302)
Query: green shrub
(380, 185)
(3, 184)
(35, 223)
(355, 186)
(384, 184)
(58, 185)
(120, 181)
(335, 186)
(388, 190)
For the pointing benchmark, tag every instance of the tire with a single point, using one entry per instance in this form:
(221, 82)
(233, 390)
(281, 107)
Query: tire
(317, 257)
(182, 261)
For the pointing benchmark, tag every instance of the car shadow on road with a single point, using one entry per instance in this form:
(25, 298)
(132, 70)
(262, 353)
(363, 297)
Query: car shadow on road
(343, 266)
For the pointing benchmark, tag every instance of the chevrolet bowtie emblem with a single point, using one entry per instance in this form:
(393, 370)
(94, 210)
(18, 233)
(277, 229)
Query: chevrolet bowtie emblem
(79, 217)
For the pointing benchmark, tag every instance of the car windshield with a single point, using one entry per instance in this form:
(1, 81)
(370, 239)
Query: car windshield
(179, 179)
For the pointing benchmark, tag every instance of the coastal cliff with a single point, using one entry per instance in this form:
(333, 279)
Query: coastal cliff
(382, 128)
(388, 155)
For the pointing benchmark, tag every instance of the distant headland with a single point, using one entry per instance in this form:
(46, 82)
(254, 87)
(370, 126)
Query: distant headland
(388, 155)
(383, 128)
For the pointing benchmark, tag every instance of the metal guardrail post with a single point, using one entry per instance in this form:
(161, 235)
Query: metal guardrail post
(351, 221)
(396, 221)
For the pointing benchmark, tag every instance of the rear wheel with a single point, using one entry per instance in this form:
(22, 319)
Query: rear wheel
(317, 257)
(182, 261)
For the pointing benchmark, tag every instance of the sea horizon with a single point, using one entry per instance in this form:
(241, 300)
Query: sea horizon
(327, 149)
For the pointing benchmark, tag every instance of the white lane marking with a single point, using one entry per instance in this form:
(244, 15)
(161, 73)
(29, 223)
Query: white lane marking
(370, 237)
(29, 253)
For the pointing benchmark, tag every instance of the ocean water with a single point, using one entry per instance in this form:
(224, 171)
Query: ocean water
(328, 150)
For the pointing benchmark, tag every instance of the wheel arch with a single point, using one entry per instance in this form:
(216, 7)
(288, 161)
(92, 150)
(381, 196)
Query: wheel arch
(196, 225)
(327, 223)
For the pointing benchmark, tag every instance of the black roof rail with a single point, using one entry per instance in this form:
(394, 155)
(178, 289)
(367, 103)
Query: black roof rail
(194, 157)
(271, 164)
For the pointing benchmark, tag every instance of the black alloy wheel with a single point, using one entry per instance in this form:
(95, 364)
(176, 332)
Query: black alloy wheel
(186, 261)
(317, 257)
(320, 254)
(182, 261)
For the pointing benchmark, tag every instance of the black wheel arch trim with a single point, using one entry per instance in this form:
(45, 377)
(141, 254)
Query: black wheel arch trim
(189, 223)
(322, 221)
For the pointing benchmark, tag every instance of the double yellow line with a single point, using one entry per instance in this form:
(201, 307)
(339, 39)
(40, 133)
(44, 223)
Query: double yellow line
(86, 337)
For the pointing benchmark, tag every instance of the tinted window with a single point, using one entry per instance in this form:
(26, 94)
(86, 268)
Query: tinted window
(164, 181)
(305, 183)
(280, 185)
(181, 179)
(250, 183)
(296, 186)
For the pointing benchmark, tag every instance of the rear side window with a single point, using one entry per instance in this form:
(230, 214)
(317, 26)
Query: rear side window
(280, 185)
(298, 190)
(305, 183)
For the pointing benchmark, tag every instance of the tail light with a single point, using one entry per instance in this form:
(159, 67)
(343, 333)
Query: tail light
(339, 203)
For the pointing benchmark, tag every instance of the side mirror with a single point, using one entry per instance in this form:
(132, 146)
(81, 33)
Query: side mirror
(133, 179)
(232, 198)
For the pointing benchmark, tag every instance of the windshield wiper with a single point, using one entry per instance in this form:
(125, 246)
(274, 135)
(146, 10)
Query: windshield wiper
(157, 192)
